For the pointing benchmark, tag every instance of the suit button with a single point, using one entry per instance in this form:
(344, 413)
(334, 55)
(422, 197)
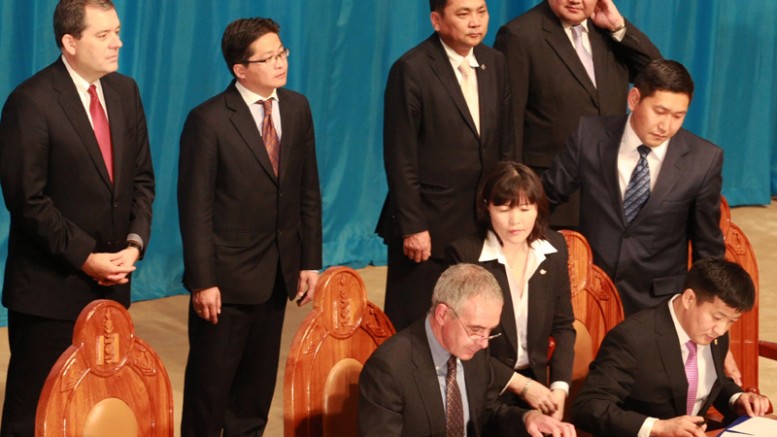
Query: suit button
(280, 233)
(115, 204)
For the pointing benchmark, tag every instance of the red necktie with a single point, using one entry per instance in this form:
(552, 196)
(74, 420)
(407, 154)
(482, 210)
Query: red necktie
(101, 129)
(692, 373)
(270, 136)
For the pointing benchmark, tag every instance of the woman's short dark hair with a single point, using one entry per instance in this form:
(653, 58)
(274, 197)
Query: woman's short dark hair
(511, 183)
(240, 34)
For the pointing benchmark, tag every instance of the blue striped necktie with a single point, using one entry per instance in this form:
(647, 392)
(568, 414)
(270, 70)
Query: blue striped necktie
(638, 191)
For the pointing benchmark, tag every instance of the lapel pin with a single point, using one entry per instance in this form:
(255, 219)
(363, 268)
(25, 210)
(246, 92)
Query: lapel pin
(483, 67)
(542, 271)
(715, 341)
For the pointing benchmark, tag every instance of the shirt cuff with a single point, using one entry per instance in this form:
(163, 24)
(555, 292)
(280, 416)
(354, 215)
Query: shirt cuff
(647, 427)
(619, 34)
(136, 238)
(560, 385)
(512, 378)
(733, 400)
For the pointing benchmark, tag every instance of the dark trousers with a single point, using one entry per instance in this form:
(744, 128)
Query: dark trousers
(36, 343)
(232, 367)
(409, 286)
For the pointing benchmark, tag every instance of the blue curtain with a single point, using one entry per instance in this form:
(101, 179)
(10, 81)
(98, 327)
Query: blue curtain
(341, 51)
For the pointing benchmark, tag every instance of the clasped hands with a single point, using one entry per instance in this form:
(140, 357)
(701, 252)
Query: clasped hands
(110, 269)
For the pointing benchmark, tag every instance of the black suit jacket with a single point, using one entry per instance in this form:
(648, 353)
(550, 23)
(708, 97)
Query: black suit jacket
(639, 373)
(400, 393)
(433, 154)
(551, 89)
(550, 312)
(61, 201)
(648, 259)
(238, 220)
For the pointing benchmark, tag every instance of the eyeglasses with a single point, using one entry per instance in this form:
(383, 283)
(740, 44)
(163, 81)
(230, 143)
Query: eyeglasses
(474, 337)
(272, 60)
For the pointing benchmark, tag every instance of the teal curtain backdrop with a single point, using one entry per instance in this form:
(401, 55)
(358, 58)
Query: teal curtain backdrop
(341, 51)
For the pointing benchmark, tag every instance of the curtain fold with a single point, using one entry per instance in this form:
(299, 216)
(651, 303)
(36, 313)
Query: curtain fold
(341, 51)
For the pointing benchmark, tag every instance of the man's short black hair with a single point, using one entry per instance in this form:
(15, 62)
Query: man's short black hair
(728, 281)
(664, 75)
(240, 34)
(70, 17)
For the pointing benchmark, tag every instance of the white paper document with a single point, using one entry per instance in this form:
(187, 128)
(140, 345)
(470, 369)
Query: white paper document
(753, 427)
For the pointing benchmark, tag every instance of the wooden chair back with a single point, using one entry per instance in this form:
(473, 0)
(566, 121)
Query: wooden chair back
(595, 302)
(107, 383)
(743, 334)
(321, 386)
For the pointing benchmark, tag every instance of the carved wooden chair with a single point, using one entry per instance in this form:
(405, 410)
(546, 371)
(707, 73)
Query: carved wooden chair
(744, 343)
(595, 302)
(321, 386)
(107, 383)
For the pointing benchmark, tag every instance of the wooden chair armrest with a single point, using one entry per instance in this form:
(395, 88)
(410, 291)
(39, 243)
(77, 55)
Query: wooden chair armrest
(767, 349)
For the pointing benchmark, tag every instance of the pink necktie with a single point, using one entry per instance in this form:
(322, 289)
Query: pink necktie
(692, 373)
(270, 136)
(102, 131)
(583, 53)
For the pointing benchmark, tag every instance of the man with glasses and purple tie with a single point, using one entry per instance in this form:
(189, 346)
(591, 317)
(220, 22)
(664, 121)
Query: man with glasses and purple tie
(658, 372)
(435, 377)
(250, 213)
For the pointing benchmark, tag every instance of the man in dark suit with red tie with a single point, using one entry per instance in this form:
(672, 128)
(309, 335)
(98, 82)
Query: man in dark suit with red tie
(77, 178)
(250, 213)
(446, 115)
(658, 372)
(567, 59)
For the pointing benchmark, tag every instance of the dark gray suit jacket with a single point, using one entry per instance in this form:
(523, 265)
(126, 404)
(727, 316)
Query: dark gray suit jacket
(550, 312)
(56, 187)
(238, 220)
(639, 372)
(400, 393)
(648, 259)
(550, 87)
(433, 154)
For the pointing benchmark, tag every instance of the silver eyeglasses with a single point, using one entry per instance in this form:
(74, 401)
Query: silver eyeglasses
(474, 337)
(272, 60)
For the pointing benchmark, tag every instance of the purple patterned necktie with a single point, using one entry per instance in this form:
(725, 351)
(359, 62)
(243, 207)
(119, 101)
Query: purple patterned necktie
(692, 373)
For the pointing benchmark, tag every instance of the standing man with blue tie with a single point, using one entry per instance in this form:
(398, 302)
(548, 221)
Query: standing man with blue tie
(648, 188)
(77, 179)
(446, 124)
(567, 59)
(250, 212)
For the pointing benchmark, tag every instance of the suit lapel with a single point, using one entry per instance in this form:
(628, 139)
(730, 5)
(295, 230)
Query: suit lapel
(74, 110)
(672, 170)
(118, 123)
(426, 379)
(442, 68)
(288, 123)
(608, 146)
(245, 125)
(718, 357)
(559, 42)
(509, 330)
(671, 357)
